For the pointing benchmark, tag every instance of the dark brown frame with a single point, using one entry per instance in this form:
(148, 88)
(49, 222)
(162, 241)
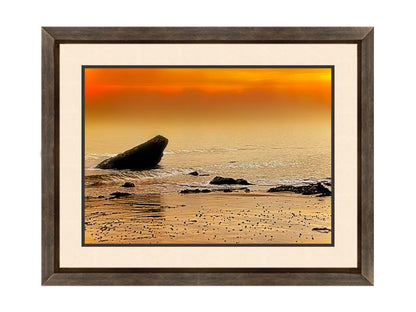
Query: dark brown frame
(53, 274)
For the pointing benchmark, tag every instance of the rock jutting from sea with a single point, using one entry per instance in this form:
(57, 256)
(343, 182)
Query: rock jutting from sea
(143, 156)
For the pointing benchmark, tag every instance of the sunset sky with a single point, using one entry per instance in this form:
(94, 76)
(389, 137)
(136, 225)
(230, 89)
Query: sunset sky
(169, 93)
(167, 99)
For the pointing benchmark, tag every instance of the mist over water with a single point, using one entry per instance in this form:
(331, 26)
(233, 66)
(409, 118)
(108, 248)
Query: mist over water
(266, 155)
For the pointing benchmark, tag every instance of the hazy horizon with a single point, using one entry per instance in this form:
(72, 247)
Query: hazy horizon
(126, 106)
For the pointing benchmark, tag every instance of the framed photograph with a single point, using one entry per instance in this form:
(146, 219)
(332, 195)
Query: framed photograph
(207, 156)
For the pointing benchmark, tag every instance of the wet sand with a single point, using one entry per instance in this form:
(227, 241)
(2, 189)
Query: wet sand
(232, 218)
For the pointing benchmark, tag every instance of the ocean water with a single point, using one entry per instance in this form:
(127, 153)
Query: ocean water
(264, 158)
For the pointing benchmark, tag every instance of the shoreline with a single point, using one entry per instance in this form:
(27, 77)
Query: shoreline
(166, 206)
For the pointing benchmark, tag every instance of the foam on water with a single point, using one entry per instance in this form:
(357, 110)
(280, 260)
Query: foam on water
(259, 164)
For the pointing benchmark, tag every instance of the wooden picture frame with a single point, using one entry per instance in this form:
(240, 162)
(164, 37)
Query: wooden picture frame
(53, 274)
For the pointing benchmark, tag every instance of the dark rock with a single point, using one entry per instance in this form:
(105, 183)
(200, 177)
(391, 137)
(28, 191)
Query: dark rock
(146, 155)
(283, 188)
(101, 196)
(188, 191)
(119, 194)
(226, 190)
(323, 190)
(242, 182)
(220, 180)
(128, 184)
(322, 230)
(317, 188)
(309, 189)
(194, 173)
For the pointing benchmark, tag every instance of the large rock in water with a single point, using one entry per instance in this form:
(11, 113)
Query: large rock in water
(146, 155)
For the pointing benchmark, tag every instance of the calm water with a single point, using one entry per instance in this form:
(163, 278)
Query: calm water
(264, 156)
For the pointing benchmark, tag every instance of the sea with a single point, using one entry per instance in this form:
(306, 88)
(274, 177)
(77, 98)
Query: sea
(264, 159)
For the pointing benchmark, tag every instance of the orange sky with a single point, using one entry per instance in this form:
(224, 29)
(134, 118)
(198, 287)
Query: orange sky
(179, 94)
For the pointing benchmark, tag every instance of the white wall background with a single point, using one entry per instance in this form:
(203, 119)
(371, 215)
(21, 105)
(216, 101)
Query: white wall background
(21, 136)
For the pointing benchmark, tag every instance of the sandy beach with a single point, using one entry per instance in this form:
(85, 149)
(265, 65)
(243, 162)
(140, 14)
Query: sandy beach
(218, 217)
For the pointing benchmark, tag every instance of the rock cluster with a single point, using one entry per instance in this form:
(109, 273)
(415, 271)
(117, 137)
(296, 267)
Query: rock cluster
(308, 189)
